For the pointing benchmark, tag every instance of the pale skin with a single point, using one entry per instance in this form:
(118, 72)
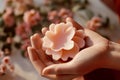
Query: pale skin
(100, 53)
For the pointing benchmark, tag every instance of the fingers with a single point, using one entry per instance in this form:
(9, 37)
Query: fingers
(64, 68)
(37, 63)
(75, 24)
(37, 44)
(79, 78)
(63, 77)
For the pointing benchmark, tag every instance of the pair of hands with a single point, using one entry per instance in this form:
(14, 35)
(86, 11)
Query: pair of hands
(87, 60)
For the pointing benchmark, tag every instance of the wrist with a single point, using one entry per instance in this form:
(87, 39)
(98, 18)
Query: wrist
(112, 58)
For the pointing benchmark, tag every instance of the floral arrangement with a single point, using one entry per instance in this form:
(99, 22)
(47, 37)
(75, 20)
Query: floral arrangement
(63, 41)
(22, 18)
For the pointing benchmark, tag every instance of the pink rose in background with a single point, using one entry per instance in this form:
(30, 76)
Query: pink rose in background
(23, 30)
(5, 64)
(64, 13)
(31, 17)
(53, 16)
(8, 17)
(25, 44)
(56, 16)
(63, 41)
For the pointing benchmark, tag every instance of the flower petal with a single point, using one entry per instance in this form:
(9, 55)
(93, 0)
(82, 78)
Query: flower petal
(70, 53)
(68, 45)
(57, 55)
(79, 41)
(52, 27)
(80, 33)
(49, 51)
(46, 43)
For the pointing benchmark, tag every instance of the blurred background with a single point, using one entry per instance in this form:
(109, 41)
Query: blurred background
(19, 19)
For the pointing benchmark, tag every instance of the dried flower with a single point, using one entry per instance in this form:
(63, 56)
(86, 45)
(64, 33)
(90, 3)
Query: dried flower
(25, 44)
(8, 17)
(60, 15)
(6, 60)
(53, 16)
(64, 13)
(23, 30)
(5, 64)
(31, 17)
(63, 41)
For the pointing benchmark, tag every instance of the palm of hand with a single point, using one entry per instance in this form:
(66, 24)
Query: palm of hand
(85, 61)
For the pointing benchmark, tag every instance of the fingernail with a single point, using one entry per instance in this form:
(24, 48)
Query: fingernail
(48, 71)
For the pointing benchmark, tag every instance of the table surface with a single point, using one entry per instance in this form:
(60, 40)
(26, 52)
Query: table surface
(23, 67)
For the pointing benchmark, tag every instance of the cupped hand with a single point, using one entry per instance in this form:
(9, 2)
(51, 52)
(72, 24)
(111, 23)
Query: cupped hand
(88, 59)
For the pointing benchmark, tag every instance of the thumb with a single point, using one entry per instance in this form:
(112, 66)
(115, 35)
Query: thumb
(64, 68)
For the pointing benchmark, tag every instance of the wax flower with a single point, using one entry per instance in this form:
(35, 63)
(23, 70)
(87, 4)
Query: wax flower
(62, 41)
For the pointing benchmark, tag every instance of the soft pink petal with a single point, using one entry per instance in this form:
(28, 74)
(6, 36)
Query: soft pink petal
(68, 45)
(60, 28)
(70, 53)
(79, 41)
(62, 37)
(68, 23)
(44, 30)
(49, 51)
(50, 35)
(70, 32)
(46, 43)
(80, 33)
(56, 55)
(52, 27)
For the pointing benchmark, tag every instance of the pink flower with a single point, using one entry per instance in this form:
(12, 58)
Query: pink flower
(31, 17)
(57, 16)
(23, 30)
(25, 44)
(6, 60)
(63, 41)
(53, 16)
(5, 64)
(8, 17)
(64, 13)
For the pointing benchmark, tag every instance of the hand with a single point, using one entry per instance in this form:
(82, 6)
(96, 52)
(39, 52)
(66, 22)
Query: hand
(40, 60)
(95, 55)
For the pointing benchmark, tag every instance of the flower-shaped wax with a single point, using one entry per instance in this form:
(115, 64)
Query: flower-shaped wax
(63, 41)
